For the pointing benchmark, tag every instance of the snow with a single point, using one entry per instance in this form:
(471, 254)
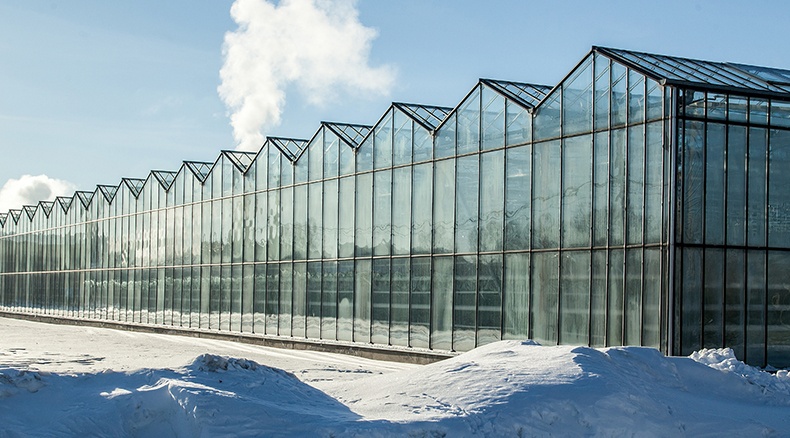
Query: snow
(58, 380)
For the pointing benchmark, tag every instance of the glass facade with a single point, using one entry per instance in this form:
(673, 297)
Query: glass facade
(616, 208)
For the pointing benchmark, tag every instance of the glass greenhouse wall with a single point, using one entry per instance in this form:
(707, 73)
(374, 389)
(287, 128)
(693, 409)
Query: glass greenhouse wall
(616, 208)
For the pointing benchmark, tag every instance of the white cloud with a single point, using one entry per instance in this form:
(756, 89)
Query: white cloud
(318, 45)
(29, 189)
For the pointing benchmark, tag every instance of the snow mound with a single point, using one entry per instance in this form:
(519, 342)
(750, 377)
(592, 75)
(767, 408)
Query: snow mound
(12, 381)
(724, 359)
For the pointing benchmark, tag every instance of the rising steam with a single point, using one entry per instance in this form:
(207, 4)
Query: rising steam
(318, 45)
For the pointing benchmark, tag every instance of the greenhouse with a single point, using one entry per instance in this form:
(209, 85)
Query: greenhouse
(643, 200)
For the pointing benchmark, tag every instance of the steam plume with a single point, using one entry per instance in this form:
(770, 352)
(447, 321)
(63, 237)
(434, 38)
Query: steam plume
(318, 45)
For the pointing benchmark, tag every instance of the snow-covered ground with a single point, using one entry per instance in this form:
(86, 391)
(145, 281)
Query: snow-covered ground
(58, 380)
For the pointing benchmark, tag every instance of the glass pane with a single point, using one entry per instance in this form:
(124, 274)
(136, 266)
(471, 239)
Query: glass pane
(778, 317)
(362, 284)
(693, 184)
(299, 300)
(713, 299)
(466, 206)
(401, 215)
(598, 312)
(314, 272)
(575, 301)
(492, 192)
(402, 142)
(469, 124)
(654, 181)
(315, 220)
(382, 212)
(779, 189)
(577, 195)
(614, 334)
(736, 185)
(755, 307)
(617, 187)
(545, 297)
(516, 297)
(300, 222)
(691, 315)
(315, 157)
(602, 95)
(345, 300)
(331, 154)
(382, 147)
(329, 226)
(577, 99)
(734, 301)
(518, 124)
(421, 208)
(493, 119)
(364, 215)
(346, 219)
(445, 139)
(619, 94)
(423, 144)
(489, 299)
(635, 184)
(399, 311)
(329, 301)
(636, 97)
(380, 295)
(546, 195)
(443, 206)
(517, 197)
(756, 221)
(547, 117)
(651, 298)
(714, 184)
(655, 100)
(442, 303)
(464, 303)
(420, 316)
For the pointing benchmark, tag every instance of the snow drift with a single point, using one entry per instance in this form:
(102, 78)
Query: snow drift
(507, 388)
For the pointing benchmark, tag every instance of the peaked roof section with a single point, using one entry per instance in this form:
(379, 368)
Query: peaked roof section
(30, 210)
(528, 95)
(165, 177)
(290, 147)
(3, 217)
(134, 184)
(200, 169)
(242, 160)
(46, 206)
(350, 134)
(430, 117)
(84, 197)
(15, 214)
(64, 202)
(108, 191)
(713, 76)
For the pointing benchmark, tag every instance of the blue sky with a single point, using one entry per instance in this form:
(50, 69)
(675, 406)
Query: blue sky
(92, 91)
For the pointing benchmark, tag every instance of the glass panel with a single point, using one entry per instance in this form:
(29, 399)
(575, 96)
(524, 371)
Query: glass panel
(300, 222)
(546, 195)
(315, 221)
(614, 332)
(442, 303)
(464, 303)
(619, 95)
(364, 215)
(380, 294)
(493, 119)
(654, 172)
(547, 117)
(443, 206)
(489, 299)
(331, 154)
(755, 307)
(516, 297)
(315, 157)
(694, 181)
(713, 299)
(469, 124)
(690, 313)
(420, 316)
(365, 155)
(736, 185)
(401, 215)
(299, 299)
(602, 95)
(734, 301)
(285, 307)
(445, 139)
(286, 223)
(362, 291)
(577, 195)
(651, 298)
(577, 99)
(633, 296)
(617, 183)
(780, 113)
(574, 324)
(345, 300)
(778, 317)
(382, 212)
(314, 271)
(421, 208)
(779, 189)
(636, 97)
(492, 192)
(402, 140)
(518, 124)
(758, 111)
(598, 312)
(717, 106)
(756, 222)
(635, 184)
(274, 225)
(466, 206)
(346, 219)
(738, 108)
(329, 226)
(545, 297)
(423, 144)
(382, 147)
(272, 298)
(601, 189)
(399, 311)
(517, 198)
(329, 301)
(655, 100)
(714, 184)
